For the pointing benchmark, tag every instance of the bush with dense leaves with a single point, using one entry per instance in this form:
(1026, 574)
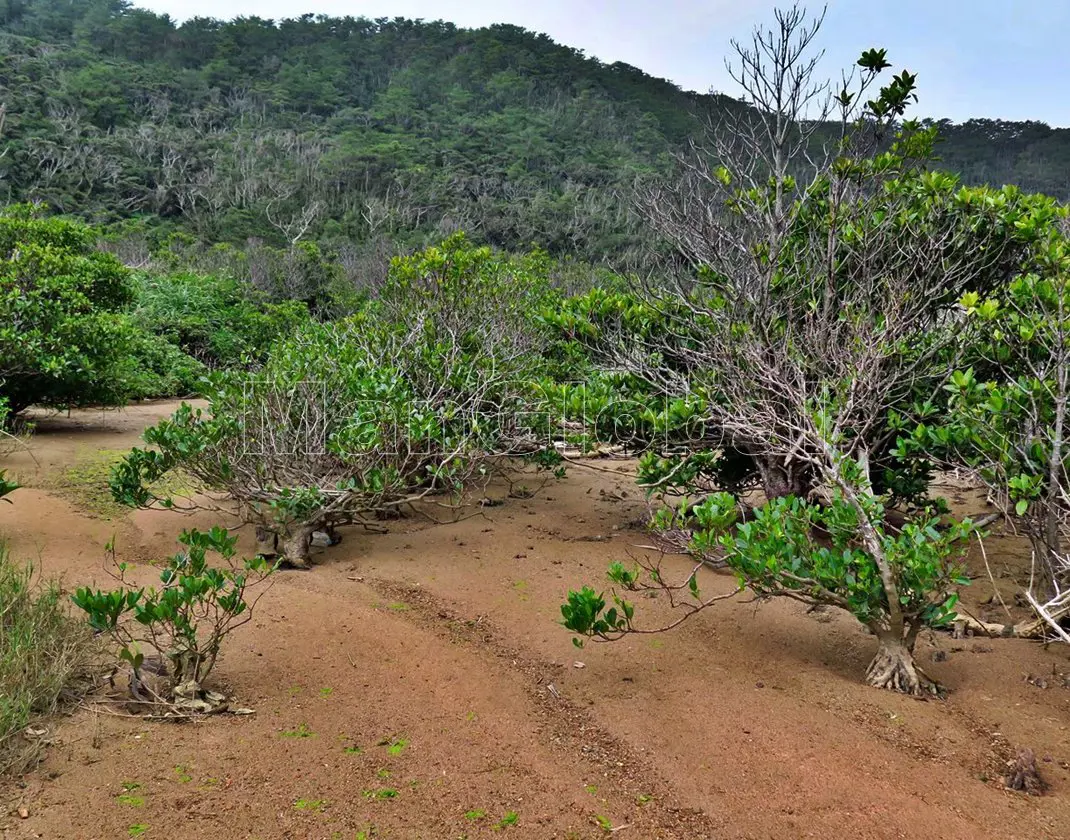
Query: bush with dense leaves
(421, 393)
(218, 321)
(64, 339)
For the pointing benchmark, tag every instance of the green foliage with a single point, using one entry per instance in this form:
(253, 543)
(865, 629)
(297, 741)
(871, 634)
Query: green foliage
(81, 332)
(63, 337)
(218, 321)
(303, 731)
(391, 128)
(1008, 412)
(189, 617)
(6, 487)
(805, 551)
(815, 336)
(156, 368)
(46, 658)
(510, 818)
(417, 394)
(778, 550)
(413, 126)
(585, 613)
(381, 793)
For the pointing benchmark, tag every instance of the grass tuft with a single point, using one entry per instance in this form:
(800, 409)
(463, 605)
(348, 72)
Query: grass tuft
(85, 483)
(46, 659)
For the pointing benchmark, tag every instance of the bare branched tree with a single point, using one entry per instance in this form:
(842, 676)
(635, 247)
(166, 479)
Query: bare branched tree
(294, 223)
(786, 103)
(823, 301)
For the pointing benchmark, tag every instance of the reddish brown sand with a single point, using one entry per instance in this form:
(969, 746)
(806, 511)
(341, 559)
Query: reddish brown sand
(750, 721)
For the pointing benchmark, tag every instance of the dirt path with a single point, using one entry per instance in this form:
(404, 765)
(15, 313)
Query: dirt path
(403, 690)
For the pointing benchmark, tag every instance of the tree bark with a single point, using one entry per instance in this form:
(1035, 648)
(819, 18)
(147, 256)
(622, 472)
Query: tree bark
(779, 481)
(267, 542)
(296, 547)
(894, 669)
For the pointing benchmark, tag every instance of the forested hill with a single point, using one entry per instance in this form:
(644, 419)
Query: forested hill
(350, 129)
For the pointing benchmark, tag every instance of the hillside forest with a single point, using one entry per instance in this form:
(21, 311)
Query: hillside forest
(362, 135)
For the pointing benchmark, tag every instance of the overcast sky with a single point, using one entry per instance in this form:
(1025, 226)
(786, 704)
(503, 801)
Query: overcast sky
(974, 58)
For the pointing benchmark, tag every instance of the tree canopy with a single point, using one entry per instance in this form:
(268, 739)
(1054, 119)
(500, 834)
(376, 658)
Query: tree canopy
(350, 129)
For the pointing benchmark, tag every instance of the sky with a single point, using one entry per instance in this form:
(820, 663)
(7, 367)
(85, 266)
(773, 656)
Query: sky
(1004, 59)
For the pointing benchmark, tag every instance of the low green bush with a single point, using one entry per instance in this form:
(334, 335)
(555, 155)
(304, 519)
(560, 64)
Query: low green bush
(187, 619)
(63, 336)
(421, 393)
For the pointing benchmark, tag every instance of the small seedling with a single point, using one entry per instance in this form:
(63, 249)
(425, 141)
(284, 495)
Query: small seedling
(303, 731)
(591, 789)
(398, 746)
(643, 798)
(382, 793)
(128, 797)
(182, 771)
(326, 692)
(604, 823)
(383, 773)
(198, 606)
(475, 814)
(399, 606)
(510, 818)
(310, 804)
(137, 829)
(353, 749)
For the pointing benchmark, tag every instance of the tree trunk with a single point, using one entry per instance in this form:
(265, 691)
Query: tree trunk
(779, 481)
(267, 542)
(893, 668)
(295, 547)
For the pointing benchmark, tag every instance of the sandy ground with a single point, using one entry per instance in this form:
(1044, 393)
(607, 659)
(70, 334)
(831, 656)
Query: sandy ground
(415, 684)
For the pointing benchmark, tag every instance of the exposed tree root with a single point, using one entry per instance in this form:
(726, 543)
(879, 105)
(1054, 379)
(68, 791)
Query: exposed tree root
(267, 542)
(894, 669)
(1022, 774)
(296, 548)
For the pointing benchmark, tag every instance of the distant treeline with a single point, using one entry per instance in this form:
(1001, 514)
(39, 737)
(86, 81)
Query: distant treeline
(365, 131)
